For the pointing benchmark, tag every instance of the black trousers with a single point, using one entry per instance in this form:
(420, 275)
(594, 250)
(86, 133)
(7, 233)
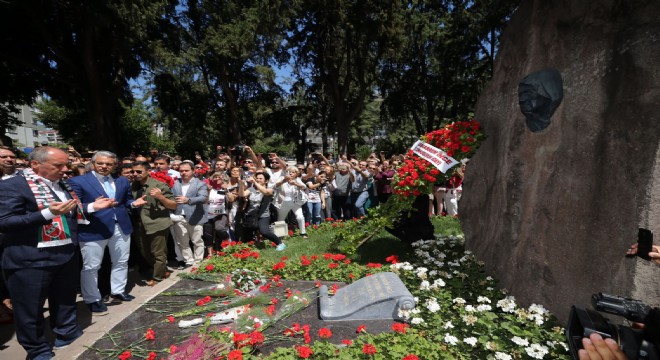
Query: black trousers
(264, 229)
(29, 288)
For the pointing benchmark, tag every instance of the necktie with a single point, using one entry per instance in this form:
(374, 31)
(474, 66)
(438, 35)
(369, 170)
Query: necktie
(107, 186)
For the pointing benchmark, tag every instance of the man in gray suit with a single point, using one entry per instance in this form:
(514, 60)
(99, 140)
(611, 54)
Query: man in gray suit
(190, 195)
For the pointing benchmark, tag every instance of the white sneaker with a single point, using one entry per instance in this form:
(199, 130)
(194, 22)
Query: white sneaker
(280, 247)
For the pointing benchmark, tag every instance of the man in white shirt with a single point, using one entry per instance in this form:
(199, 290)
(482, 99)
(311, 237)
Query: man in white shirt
(106, 200)
(190, 195)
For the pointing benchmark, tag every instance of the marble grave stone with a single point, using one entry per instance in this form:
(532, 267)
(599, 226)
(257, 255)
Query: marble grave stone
(379, 296)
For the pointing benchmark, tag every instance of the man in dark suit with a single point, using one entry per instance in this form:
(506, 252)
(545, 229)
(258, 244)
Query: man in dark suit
(39, 216)
(105, 200)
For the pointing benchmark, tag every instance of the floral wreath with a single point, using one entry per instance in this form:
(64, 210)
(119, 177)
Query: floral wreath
(416, 176)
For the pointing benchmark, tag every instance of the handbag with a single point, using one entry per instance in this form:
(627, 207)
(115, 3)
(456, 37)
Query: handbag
(301, 198)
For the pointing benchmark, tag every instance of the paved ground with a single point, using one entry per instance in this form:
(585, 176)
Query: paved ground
(94, 327)
(130, 320)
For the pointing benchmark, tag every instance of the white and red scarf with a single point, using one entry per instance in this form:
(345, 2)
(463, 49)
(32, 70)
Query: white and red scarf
(56, 233)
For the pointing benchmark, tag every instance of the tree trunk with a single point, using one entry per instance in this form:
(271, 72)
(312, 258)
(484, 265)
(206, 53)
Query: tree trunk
(101, 102)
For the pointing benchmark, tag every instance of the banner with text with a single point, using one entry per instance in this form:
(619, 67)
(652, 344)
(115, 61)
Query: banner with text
(435, 156)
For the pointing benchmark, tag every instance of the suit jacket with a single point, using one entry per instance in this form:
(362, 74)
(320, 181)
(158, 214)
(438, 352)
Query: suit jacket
(194, 211)
(20, 221)
(102, 223)
(153, 215)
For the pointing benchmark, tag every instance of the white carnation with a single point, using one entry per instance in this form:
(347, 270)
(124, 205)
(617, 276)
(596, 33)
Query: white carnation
(520, 341)
(502, 356)
(451, 339)
(483, 307)
(472, 341)
(425, 285)
(537, 351)
(416, 321)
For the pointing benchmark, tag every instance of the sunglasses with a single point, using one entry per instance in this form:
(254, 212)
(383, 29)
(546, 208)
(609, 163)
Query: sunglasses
(136, 171)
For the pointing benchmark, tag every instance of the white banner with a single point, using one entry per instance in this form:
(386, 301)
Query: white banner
(435, 156)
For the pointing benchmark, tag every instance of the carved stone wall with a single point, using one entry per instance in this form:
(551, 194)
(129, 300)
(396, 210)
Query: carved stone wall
(552, 213)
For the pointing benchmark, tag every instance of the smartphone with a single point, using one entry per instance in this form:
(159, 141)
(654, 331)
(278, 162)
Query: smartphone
(644, 243)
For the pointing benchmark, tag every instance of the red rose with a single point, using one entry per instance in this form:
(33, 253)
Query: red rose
(125, 355)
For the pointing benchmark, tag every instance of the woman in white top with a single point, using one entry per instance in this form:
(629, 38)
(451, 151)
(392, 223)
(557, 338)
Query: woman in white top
(291, 195)
(216, 230)
(257, 213)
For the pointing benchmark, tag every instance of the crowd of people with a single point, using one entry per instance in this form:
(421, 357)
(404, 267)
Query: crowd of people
(61, 213)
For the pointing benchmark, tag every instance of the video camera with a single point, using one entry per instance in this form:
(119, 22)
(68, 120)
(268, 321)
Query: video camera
(636, 344)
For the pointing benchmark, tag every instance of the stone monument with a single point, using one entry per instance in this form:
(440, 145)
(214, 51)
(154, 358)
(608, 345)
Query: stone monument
(552, 212)
(379, 296)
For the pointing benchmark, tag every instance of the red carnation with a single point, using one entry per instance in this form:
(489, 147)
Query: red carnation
(325, 333)
(410, 357)
(369, 349)
(235, 355)
(400, 327)
(304, 352)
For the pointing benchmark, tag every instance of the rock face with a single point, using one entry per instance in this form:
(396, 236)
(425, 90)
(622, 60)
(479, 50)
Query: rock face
(552, 213)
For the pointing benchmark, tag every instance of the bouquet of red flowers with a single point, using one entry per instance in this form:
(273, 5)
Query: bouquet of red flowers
(162, 177)
(416, 176)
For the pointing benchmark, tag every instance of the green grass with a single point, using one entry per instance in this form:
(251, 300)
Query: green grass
(374, 250)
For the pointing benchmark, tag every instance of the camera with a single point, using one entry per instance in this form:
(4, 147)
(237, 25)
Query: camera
(238, 149)
(222, 191)
(636, 344)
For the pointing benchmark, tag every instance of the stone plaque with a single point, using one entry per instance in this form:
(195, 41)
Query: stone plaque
(379, 296)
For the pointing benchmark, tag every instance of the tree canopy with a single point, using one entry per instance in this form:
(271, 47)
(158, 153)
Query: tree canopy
(208, 69)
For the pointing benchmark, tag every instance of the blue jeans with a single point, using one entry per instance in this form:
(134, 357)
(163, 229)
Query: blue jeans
(358, 200)
(315, 212)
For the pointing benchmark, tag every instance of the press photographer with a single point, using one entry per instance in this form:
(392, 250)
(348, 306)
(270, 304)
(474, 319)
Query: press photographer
(592, 337)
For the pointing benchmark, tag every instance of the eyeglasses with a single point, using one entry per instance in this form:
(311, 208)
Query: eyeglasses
(372, 168)
(7, 156)
(136, 171)
(248, 161)
(198, 167)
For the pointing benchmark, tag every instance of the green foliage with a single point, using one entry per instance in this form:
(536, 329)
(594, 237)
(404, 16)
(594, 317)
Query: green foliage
(352, 234)
(81, 55)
